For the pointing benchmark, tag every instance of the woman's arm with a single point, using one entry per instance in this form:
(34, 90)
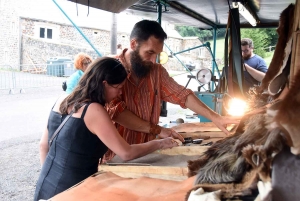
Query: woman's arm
(99, 123)
(44, 147)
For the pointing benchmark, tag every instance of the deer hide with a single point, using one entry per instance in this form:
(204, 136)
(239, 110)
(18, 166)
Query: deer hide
(284, 31)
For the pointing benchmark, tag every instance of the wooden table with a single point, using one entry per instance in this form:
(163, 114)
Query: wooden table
(169, 164)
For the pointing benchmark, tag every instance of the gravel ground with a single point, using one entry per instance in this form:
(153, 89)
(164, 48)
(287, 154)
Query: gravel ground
(19, 167)
(22, 120)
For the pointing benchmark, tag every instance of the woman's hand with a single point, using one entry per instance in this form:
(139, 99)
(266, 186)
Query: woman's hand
(221, 122)
(168, 132)
(168, 142)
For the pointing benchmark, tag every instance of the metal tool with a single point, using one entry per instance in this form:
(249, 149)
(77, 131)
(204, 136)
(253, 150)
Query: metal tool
(191, 140)
(207, 144)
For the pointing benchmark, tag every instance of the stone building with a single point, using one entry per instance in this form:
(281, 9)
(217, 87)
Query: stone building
(35, 30)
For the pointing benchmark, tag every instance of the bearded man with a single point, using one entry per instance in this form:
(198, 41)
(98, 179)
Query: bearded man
(137, 112)
(255, 67)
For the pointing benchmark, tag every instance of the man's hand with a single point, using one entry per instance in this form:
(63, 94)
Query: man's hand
(168, 132)
(221, 122)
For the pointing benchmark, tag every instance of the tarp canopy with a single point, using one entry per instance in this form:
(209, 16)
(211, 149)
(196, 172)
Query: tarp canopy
(203, 14)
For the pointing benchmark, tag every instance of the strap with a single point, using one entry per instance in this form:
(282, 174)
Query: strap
(60, 126)
(84, 110)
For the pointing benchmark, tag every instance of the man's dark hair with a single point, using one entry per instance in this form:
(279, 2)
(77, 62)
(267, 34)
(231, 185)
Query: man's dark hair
(247, 41)
(146, 28)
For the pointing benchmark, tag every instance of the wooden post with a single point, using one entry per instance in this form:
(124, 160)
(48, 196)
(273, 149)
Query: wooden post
(295, 60)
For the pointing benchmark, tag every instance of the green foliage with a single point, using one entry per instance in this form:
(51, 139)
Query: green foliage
(186, 31)
(272, 36)
(262, 38)
(259, 38)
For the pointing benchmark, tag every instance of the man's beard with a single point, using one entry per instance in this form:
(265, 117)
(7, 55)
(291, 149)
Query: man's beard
(140, 68)
(246, 57)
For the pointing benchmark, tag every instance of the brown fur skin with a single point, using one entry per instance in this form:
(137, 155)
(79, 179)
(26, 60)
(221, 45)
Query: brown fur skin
(233, 189)
(258, 137)
(284, 32)
(257, 157)
(287, 117)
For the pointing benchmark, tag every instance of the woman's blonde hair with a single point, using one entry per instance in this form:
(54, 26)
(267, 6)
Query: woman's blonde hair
(80, 59)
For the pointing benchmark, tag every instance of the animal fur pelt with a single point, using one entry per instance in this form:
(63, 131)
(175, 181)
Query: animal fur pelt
(284, 31)
(231, 190)
(258, 138)
(286, 115)
(223, 161)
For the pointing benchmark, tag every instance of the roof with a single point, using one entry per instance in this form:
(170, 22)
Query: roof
(198, 13)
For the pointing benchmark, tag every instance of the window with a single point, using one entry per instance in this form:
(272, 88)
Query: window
(42, 32)
(49, 33)
(45, 33)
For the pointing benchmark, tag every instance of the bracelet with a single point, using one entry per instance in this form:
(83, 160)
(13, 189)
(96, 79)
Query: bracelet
(154, 129)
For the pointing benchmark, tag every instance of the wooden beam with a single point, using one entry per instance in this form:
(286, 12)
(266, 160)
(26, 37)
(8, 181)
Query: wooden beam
(160, 172)
(295, 60)
(184, 150)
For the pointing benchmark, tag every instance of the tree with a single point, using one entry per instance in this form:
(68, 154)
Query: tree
(185, 31)
(259, 38)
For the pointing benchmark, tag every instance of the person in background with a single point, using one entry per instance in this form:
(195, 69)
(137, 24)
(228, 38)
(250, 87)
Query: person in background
(119, 49)
(255, 67)
(75, 151)
(137, 113)
(81, 63)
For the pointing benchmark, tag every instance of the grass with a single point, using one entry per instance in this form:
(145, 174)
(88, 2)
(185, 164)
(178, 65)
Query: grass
(268, 57)
(220, 43)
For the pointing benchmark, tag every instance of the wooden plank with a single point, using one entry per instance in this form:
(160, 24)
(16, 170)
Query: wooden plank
(168, 173)
(203, 135)
(295, 60)
(184, 150)
(111, 187)
(196, 127)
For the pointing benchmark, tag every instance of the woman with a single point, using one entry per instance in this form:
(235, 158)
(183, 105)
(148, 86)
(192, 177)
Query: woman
(74, 153)
(81, 63)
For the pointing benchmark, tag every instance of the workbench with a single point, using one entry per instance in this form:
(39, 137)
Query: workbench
(157, 176)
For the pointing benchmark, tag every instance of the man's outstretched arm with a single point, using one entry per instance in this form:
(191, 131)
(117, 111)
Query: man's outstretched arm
(197, 106)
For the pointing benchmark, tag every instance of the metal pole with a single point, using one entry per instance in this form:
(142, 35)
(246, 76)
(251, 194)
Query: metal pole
(214, 57)
(78, 29)
(113, 34)
(192, 48)
(163, 109)
(159, 12)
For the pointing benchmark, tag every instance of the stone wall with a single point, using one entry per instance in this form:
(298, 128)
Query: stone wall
(200, 60)
(39, 51)
(67, 42)
(20, 42)
(9, 34)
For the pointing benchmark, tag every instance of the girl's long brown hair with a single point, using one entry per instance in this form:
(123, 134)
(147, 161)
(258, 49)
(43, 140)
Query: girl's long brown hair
(90, 87)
